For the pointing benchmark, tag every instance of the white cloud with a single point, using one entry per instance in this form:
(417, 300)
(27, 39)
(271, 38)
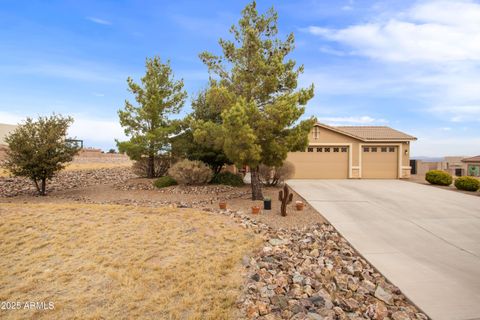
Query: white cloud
(362, 120)
(459, 113)
(75, 70)
(446, 146)
(430, 31)
(99, 21)
(96, 132)
(429, 52)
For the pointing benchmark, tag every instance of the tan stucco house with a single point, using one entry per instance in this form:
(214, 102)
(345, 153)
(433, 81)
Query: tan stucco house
(353, 152)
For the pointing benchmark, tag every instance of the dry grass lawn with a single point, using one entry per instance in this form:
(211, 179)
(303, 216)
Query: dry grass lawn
(120, 262)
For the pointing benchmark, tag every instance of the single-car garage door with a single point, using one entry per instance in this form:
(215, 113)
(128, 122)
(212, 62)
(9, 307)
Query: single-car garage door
(321, 162)
(379, 162)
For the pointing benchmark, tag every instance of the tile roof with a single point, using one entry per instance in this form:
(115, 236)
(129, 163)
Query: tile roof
(472, 159)
(372, 133)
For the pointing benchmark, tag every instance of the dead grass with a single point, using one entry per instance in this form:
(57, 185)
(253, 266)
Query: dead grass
(120, 262)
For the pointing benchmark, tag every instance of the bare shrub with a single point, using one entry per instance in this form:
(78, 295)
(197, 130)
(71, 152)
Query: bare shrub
(271, 176)
(187, 172)
(161, 166)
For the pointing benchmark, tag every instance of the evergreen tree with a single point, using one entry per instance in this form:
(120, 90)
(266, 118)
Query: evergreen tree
(256, 86)
(148, 125)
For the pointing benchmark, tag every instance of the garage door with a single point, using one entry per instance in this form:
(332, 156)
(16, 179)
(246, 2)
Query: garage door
(321, 162)
(379, 162)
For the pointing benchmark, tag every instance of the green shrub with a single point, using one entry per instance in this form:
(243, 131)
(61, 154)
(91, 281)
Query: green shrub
(188, 172)
(228, 179)
(438, 177)
(467, 184)
(163, 182)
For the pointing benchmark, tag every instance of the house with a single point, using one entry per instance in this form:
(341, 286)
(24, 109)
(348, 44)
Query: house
(353, 152)
(454, 165)
(5, 129)
(473, 166)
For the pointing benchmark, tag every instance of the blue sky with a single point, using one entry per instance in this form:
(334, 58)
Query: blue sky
(411, 65)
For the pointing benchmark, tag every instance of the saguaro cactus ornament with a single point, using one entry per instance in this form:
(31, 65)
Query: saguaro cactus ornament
(286, 198)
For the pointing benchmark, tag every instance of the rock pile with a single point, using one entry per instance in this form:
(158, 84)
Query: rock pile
(14, 186)
(315, 274)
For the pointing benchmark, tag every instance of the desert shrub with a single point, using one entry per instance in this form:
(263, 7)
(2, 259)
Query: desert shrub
(227, 178)
(161, 165)
(165, 181)
(272, 176)
(438, 177)
(467, 184)
(190, 172)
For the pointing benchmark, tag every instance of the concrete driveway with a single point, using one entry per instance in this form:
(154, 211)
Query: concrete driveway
(424, 239)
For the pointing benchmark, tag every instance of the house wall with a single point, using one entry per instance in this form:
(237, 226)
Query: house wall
(304, 161)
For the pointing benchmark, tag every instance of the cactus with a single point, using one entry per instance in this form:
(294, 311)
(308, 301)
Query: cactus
(286, 198)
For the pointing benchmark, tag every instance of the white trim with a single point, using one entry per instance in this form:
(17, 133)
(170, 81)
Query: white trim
(406, 167)
(399, 160)
(340, 144)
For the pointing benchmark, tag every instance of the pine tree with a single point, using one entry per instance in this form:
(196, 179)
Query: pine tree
(257, 86)
(148, 124)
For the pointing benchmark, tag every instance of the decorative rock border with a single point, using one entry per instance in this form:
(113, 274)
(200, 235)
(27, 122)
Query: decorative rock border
(314, 273)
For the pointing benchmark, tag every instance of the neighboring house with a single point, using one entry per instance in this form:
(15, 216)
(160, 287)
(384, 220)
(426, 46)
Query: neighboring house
(452, 165)
(343, 152)
(473, 166)
(5, 129)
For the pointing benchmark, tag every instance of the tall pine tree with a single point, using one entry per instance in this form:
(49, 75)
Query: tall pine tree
(257, 85)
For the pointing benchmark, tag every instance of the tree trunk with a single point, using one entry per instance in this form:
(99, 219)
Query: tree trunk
(36, 185)
(256, 184)
(151, 167)
(44, 183)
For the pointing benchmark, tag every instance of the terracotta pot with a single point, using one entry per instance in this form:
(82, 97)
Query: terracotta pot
(299, 205)
(222, 205)
(255, 210)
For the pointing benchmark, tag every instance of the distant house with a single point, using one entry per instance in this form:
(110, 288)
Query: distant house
(5, 129)
(473, 166)
(353, 152)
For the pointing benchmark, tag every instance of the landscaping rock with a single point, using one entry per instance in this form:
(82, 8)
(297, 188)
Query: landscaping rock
(383, 295)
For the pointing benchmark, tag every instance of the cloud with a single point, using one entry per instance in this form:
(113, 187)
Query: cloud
(428, 53)
(74, 70)
(430, 31)
(99, 21)
(464, 113)
(362, 120)
(96, 132)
